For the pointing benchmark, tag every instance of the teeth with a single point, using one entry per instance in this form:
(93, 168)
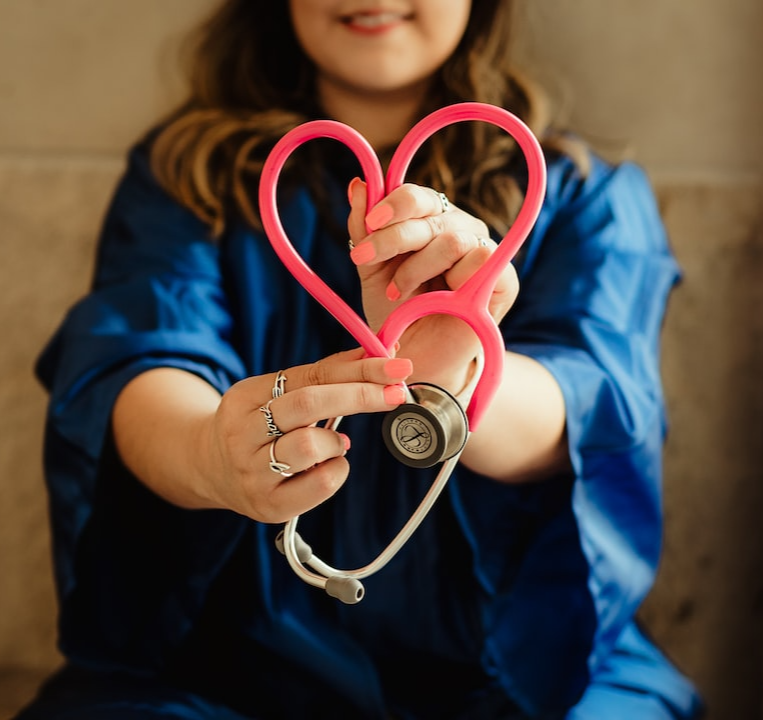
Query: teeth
(372, 21)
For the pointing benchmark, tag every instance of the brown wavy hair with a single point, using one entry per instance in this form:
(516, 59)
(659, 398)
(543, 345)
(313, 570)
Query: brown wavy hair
(250, 83)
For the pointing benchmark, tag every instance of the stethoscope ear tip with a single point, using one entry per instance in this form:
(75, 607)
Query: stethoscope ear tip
(347, 589)
(304, 551)
(279, 543)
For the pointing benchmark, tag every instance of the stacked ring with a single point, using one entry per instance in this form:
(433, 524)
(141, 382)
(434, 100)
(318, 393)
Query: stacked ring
(278, 386)
(273, 430)
(444, 201)
(280, 468)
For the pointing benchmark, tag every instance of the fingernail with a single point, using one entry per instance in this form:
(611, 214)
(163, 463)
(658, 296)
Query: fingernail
(392, 292)
(351, 188)
(379, 216)
(363, 253)
(398, 367)
(394, 394)
(345, 441)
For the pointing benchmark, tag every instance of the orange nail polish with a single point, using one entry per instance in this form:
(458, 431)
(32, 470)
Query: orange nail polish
(398, 367)
(379, 216)
(363, 253)
(394, 394)
(351, 188)
(392, 292)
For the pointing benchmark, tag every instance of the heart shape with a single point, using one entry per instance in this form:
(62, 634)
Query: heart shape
(470, 301)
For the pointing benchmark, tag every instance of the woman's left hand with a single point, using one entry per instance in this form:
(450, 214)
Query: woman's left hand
(417, 244)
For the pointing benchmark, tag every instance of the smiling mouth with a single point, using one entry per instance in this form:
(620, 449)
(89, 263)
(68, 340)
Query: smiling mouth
(371, 21)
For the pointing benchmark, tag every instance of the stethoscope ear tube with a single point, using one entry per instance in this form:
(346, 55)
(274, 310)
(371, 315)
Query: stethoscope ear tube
(345, 585)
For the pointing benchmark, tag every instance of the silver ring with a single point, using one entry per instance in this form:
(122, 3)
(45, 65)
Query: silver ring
(278, 385)
(280, 468)
(273, 430)
(351, 244)
(444, 201)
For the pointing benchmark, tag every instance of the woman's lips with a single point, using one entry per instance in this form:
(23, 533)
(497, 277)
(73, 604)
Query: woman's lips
(372, 23)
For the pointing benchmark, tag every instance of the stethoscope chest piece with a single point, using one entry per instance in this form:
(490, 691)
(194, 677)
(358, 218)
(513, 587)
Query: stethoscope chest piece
(429, 430)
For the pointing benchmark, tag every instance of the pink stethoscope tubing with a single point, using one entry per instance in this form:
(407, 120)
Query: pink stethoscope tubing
(470, 301)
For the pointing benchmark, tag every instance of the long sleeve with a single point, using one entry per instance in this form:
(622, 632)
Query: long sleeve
(157, 300)
(595, 277)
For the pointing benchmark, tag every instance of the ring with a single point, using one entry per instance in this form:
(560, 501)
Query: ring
(444, 201)
(278, 467)
(273, 430)
(351, 244)
(278, 385)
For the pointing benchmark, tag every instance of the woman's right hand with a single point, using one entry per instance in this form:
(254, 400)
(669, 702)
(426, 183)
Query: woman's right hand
(240, 443)
(199, 450)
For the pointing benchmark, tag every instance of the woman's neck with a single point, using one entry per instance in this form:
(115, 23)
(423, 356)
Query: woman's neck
(382, 118)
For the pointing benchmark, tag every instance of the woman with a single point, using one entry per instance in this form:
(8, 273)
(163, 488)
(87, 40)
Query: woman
(175, 447)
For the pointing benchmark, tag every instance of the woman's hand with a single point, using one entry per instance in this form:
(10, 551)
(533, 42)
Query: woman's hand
(343, 384)
(247, 451)
(417, 245)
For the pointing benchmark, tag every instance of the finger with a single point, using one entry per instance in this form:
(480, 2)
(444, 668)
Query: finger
(506, 288)
(409, 203)
(504, 294)
(480, 251)
(413, 235)
(357, 194)
(348, 367)
(296, 495)
(342, 367)
(447, 252)
(404, 203)
(310, 405)
(304, 448)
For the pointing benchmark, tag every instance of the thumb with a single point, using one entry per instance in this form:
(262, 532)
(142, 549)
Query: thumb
(357, 194)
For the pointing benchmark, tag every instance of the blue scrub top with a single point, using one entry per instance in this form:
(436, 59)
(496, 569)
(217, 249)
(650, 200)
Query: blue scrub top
(521, 590)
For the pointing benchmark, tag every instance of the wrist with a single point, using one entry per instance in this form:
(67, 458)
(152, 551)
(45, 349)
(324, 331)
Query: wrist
(473, 374)
(204, 464)
(443, 354)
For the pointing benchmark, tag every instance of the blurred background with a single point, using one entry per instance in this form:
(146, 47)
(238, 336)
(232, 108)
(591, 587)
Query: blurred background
(675, 86)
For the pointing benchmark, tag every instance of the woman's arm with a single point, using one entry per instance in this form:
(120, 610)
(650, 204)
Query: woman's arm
(521, 436)
(198, 449)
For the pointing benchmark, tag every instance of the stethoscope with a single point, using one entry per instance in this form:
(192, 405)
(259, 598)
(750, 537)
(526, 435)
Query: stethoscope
(432, 426)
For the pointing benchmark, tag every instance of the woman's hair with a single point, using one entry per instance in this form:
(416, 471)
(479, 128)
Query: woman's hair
(251, 83)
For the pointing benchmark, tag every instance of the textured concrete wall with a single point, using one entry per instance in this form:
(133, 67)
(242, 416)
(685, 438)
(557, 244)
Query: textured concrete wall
(672, 84)
(707, 606)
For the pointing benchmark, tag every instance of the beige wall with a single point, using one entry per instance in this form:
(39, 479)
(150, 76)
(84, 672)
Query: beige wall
(673, 84)
(677, 83)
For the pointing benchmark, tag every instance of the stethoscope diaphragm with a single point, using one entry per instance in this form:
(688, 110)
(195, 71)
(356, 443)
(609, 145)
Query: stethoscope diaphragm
(431, 429)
